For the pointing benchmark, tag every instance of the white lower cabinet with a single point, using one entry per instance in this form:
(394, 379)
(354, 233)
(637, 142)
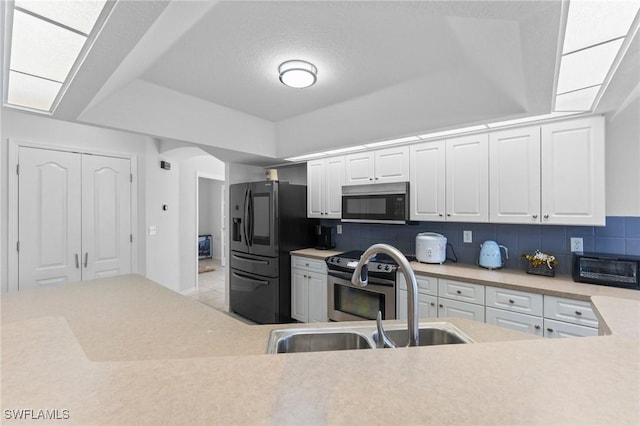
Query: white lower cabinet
(514, 321)
(427, 305)
(308, 289)
(427, 297)
(554, 329)
(454, 308)
(569, 318)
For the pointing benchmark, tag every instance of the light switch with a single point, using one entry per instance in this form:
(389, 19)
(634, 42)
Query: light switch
(152, 230)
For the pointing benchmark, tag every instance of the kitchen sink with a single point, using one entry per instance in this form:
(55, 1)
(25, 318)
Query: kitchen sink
(426, 337)
(346, 337)
(315, 340)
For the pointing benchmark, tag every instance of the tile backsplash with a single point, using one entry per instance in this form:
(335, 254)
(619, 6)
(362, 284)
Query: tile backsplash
(621, 235)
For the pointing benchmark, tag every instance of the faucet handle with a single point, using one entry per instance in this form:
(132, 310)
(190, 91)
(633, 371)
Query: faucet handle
(383, 341)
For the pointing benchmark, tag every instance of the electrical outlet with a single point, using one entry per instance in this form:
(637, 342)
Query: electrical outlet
(576, 244)
(339, 229)
(467, 236)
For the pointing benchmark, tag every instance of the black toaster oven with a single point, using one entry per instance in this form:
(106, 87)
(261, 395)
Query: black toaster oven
(607, 269)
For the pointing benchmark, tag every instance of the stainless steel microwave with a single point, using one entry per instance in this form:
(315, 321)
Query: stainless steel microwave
(607, 269)
(376, 203)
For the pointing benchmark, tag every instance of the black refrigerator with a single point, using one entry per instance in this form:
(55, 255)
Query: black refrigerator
(268, 220)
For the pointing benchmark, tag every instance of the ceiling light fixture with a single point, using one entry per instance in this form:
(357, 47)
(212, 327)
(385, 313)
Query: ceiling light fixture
(298, 74)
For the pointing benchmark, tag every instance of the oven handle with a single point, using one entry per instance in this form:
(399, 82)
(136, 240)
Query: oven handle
(372, 280)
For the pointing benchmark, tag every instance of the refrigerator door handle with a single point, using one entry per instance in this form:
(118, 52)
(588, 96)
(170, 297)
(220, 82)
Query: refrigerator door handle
(245, 226)
(250, 217)
(248, 259)
(248, 278)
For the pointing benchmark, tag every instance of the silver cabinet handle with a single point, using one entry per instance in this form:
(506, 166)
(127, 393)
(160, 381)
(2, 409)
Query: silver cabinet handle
(511, 301)
(550, 330)
(376, 178)
(442, 306)
(578, 313)
(433, 304)
(546, 216)
(535, 216)
(370, 178)
(448, 214)
(77, 261)
(86, 259)
(440, 214)
(458, 291)
(537, 327)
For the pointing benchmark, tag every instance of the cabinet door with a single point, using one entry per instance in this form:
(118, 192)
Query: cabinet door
(334, 180)
(514, 321)
(359, 168)
(391, 165)
(427, 181)
(453, 308)
(555, 329)
(315, 188)
(299, 295)
(467, 172)
(317, 285)
(401, 304)
(514, 156)
(427, 305)
(573, 159)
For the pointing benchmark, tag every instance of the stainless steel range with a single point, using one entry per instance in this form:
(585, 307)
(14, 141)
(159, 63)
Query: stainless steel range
(347, 302)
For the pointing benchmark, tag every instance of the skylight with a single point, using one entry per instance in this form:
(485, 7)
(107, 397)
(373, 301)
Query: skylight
(595, 33)
(47, 41)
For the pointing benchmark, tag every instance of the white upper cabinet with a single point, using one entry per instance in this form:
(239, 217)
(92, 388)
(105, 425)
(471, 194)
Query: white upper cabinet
(381, 166)
(325, 178)
(573, 161)
(514, 156)
(467, 182)
(315, 188)
(427, 181)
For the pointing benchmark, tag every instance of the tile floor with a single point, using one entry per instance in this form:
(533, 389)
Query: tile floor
(211, 285)
(212, 288)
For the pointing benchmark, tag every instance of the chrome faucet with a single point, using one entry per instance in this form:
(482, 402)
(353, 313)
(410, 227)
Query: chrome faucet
(360, 278)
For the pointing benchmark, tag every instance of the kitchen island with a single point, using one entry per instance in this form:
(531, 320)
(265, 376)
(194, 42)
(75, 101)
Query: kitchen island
(127, 351)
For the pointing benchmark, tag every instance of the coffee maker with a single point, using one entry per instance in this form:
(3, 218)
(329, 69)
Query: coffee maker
(325, 237)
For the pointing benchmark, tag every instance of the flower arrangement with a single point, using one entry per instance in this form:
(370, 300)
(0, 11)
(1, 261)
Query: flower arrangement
(541, 263)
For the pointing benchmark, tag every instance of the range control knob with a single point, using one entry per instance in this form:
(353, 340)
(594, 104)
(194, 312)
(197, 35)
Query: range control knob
(387, 268)
(338, 260)
(379, 266)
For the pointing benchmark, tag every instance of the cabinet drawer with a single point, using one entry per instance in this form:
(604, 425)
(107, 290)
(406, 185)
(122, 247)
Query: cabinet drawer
(555, 329)
(514, 301)
(570, 310)
(309, 264)
(515, 321)
(458, 290)
(453, 308)
(426, 285)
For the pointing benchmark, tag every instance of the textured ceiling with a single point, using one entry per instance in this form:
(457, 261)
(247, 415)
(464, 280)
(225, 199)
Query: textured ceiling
(231, 55)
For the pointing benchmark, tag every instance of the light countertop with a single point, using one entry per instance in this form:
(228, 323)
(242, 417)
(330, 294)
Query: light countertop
(127, 351)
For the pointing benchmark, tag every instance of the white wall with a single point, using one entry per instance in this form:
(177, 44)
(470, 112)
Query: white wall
(209, 212)
(189, 170)
(623, 160)
(21, 126)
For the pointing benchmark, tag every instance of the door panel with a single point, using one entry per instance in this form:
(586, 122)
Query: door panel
(106, 222)
(49, 214)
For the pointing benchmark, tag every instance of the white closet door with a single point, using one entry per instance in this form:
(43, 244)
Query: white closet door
(49, 218)
(106, 217)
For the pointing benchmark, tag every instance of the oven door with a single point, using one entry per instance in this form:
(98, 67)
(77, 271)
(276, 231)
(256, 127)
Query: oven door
(348, 302)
